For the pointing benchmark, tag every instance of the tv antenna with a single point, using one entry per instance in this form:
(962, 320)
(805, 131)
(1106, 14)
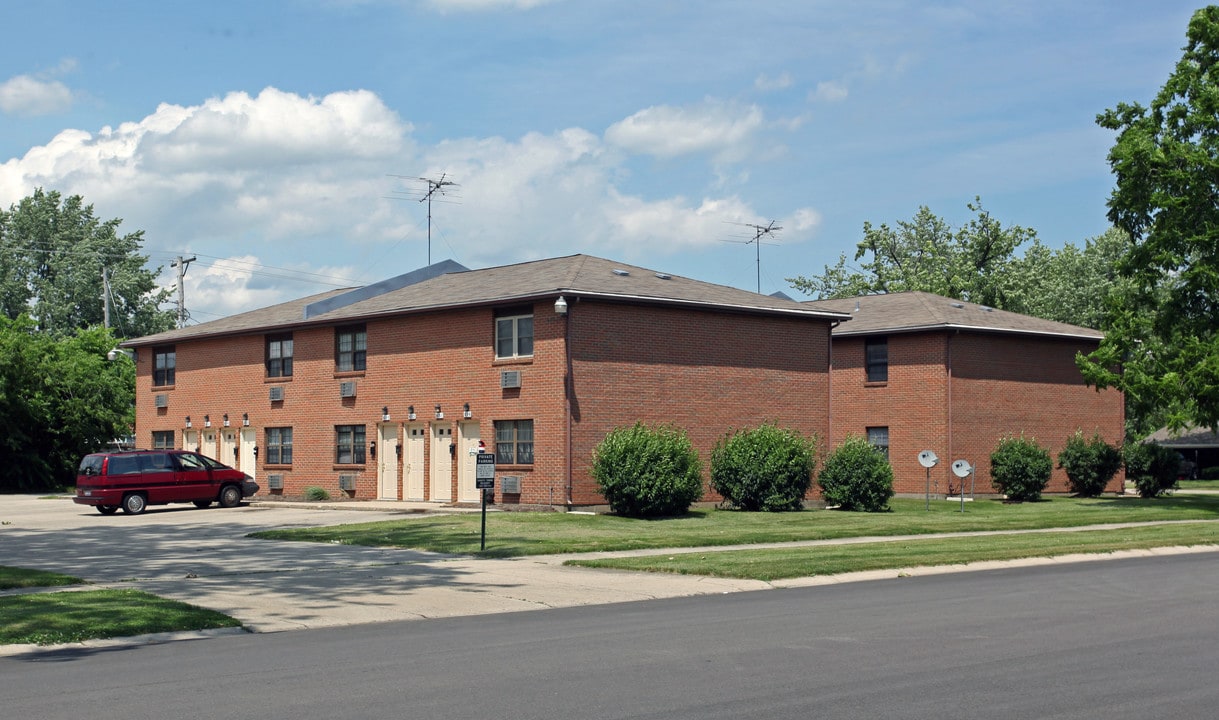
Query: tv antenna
(759, 231)
(435, 189)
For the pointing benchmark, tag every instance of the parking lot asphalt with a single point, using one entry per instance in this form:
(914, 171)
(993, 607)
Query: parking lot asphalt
(205, 558)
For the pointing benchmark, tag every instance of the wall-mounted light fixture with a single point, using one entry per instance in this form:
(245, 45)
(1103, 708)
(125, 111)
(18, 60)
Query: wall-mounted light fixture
(385, 413)
(560, 306)
(188, 421)
(410, 412)
(398, 449)
(465, 411)
(439, 413)
(245, 419)
(207, 421)
(372, 449)
(255, 451)
(225, 419)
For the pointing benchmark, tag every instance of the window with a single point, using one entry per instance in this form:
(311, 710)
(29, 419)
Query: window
(279, 446)
(514, 442)
(514, 333)
(164, 360)
(876, 357)
(279, 355)
(350, 348)
(349, 444)
(879, 437)
(163, 439)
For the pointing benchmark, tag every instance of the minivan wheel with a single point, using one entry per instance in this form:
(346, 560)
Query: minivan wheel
(107, 509)
(230, 496)
(134, 504)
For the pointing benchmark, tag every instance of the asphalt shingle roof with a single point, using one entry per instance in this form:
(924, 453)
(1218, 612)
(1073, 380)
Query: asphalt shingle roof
(574, 276)
(915, 311)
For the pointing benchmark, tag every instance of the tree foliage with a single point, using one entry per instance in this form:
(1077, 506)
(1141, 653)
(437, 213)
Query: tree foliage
(59, 399)
(1162, 342)
(52, 252)
(767, 468)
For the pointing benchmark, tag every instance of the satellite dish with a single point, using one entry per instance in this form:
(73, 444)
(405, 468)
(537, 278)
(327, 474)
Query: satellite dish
(961, 468)
(928, 459)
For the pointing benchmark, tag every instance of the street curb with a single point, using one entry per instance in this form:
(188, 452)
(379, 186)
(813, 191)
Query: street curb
(90, 646)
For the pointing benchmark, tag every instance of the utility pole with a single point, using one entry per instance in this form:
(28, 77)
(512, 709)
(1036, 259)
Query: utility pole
(105, 297)
(181, 264)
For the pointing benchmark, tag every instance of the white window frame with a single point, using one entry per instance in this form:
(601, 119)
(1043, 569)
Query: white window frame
(516, 335)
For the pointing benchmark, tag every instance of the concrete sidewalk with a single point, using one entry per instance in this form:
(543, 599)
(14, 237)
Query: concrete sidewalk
(204, 558)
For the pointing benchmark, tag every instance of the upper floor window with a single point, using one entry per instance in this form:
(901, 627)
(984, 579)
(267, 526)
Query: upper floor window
(514, 333)
(349, 444)
(879, 437)
(279, 446)
(876, 358)
(350, 348)
(164, 361)
(163, 439)
(514, 442)
(279, 355)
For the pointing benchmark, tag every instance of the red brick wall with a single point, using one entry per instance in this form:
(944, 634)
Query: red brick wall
(706, 372)
(1000, 385)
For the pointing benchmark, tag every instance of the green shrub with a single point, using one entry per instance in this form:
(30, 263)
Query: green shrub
(767, 468)
(1090, 464)
(1020, 468)
(857, 476)
(314, 493)
(648, 472)
(1210, 473)
(1152, 468)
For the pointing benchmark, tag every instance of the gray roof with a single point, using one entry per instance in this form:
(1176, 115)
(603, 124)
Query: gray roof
(574, 276)
(1186, 438)
(919, 311)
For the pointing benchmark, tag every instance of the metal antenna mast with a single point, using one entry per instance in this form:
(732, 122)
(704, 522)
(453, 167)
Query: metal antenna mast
(434, 188)
(759, 231)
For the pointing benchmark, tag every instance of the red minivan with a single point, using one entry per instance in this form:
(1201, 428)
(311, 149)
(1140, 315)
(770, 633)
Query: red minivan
(134, 479)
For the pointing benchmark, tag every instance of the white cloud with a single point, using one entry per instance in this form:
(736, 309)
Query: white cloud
(244, 179)
(721, 128)
(25, 95)
(766, 83)
(829, 91)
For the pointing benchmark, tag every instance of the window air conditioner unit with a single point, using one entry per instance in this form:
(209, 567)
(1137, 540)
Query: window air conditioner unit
(347, 389)
(511, 484)
(347, 482)
(510, 379)
(275, 481)
(161, 400)
(276, 393)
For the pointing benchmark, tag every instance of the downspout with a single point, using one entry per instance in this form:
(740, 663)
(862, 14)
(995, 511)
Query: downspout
(567, 382)
(829, 384)
(948, 403)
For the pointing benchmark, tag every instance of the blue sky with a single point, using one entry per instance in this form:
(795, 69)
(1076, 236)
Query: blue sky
(265, 137)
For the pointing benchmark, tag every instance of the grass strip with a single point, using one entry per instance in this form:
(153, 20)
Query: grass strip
(67, 617)
(780, 563)
(525, 533)
(12, 578)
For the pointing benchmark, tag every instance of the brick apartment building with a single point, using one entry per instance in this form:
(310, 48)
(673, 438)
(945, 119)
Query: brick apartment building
(389, 391)
(915, 371)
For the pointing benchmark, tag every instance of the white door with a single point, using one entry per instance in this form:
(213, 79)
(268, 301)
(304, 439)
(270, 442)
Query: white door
(228, 447)
(387, 462)
(249, 463)
(190, 440)
(442, 463)
(414, 462)
(467, 457)
(208, 446)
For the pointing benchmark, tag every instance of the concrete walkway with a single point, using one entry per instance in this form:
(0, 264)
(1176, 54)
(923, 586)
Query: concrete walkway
(204, 558)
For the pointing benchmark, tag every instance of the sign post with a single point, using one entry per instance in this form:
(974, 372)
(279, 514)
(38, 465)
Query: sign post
(484, 480)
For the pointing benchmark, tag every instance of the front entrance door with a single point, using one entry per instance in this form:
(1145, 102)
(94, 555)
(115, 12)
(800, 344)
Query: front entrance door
(249, 463)
(467, 457)
(208, 446)
(414, 462)
(190, 440)
(442, 463)
(228, 447)
(387, 462)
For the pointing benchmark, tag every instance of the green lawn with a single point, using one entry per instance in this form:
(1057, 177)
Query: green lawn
(64, 617)
(778, 563)
(524, 533)
(12, 578)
